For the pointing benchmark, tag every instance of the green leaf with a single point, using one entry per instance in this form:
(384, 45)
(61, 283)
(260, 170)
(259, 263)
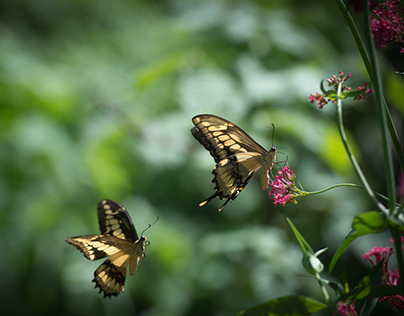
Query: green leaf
(366, 223)
(308, 253)
(303, 243)
(286, 306)
(373, 291)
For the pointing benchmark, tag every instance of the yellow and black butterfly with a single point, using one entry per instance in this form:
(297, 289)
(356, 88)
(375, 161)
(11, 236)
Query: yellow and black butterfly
(119, 240)
(236, 154)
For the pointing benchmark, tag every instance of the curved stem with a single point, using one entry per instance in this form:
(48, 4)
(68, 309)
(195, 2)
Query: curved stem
(349, 185)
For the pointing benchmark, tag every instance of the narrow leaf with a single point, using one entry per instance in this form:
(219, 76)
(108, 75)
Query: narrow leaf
(366, 223)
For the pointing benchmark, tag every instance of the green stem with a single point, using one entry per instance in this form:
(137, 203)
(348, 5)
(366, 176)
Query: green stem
(355, 164)
(381, 114)
(347, 185)
(333, 187)
(323, 288)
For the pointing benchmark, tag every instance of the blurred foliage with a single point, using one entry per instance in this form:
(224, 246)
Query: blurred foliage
(96, 101)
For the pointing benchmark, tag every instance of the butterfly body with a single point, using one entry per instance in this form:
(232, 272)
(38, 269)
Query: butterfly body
(118, 241)
(236, 154)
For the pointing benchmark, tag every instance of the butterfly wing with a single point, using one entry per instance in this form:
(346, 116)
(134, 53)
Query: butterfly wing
(118, 240)
(222, 138)
(96, 247)
(236, 154)
(114, 220)
(232, 174)
(110, 276)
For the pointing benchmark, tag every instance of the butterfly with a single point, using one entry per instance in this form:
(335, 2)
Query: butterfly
(119, 240)
(236, 154)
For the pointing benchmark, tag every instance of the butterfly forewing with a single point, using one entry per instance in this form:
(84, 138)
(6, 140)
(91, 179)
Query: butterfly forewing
(114, 220)
(96, 247)
(222, 138)
(118, 240)
(236, 154)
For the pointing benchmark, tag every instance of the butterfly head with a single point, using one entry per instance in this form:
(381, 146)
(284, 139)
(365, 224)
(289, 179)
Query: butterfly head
(270, 158)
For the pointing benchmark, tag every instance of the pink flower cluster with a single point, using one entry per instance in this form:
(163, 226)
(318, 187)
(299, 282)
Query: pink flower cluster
(330, 95)
(283, 188)
(319, 98)
(387, 23)
(346, 310)
(389, 277)
(374, 256)
(365, 94)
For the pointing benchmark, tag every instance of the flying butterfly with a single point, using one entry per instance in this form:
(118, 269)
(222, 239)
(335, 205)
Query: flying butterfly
(236, 154)
(119, 240)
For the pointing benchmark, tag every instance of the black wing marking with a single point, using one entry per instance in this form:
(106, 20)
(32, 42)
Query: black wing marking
(114, 220)
(110, 276)
(232, 174)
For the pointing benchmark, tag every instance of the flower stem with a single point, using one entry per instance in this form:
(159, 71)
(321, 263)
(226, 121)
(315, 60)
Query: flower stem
(348, 185)
(385, 120)
(355, 164)
(381, 114)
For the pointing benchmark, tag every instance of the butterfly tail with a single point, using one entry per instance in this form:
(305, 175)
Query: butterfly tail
(224, 204)
(203, 203)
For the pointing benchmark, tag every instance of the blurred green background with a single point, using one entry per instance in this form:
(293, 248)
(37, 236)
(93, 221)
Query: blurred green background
(96, 101)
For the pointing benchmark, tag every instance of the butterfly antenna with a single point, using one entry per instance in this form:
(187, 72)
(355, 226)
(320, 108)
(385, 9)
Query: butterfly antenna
(273, 133)
(150, 225)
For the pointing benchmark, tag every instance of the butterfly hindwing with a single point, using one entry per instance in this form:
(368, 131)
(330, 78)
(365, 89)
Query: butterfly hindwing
(236, 154)
(118, 241)
(110, 276)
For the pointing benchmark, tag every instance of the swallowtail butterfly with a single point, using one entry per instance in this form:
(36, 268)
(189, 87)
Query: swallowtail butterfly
(236, 154)
(119, 240)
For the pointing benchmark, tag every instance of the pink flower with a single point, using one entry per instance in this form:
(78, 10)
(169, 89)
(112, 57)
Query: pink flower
(379, 253)
(365, 94)
(345, 310)
(331, 95)
(388, 277)
(319, 98)
(283, 188)
(387, 23)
